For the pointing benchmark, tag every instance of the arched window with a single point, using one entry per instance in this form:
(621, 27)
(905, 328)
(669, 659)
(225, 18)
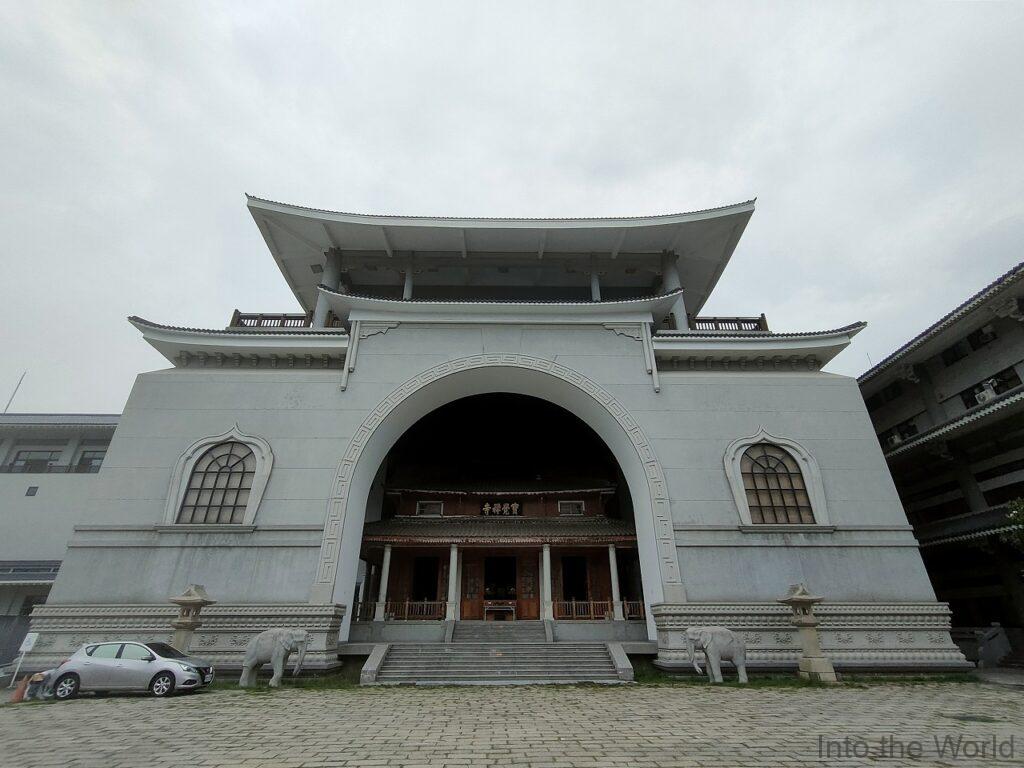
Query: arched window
(775, 487)
(219, 480)
(219, 486)
(775, 481)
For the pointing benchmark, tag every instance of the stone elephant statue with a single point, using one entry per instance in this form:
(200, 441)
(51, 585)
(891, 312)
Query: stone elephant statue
(274, 646)
(717, 643)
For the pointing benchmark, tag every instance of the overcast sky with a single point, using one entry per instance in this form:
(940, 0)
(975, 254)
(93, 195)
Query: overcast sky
(884, 142)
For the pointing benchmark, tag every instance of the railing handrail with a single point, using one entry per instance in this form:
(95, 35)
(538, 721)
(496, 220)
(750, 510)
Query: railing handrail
(729, 323)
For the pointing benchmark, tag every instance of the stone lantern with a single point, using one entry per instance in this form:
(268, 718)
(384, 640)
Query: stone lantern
(814, 665)
(190, 603)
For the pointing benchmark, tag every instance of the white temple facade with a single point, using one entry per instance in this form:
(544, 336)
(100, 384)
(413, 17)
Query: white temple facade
(494, 420)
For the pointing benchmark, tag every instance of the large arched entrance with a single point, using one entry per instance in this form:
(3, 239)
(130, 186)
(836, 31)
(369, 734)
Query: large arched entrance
(499, 507)
(484, 374)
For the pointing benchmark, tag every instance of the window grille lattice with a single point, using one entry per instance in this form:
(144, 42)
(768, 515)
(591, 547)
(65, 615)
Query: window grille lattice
(218, 489)
(776, 492)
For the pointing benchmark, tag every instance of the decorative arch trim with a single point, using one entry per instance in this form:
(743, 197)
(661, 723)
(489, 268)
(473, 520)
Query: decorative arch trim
(187, 462)
(659, 506)
(808, 467)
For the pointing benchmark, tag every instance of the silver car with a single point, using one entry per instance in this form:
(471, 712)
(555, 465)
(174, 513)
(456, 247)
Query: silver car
(158, 668)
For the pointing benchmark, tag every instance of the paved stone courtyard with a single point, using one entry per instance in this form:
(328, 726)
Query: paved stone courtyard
(679, 725)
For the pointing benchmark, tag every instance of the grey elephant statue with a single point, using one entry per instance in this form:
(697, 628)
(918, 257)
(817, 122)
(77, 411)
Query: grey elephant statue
(274, 646)
(717, 643)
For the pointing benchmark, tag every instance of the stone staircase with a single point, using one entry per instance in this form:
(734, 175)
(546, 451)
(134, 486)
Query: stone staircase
(497, 653)
(498, 632)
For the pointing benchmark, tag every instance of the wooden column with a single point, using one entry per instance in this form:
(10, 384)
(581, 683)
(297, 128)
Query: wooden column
(613, 566)
(382, 596)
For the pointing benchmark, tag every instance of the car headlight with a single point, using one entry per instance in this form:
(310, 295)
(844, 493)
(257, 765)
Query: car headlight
(188, 668)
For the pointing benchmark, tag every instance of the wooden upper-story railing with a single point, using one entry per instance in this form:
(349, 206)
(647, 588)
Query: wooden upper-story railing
(278, 320)
(729, 323)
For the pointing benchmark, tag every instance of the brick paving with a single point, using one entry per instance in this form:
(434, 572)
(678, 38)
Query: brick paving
(556, 726)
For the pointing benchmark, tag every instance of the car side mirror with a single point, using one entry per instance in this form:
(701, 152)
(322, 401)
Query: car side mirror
(150, 658)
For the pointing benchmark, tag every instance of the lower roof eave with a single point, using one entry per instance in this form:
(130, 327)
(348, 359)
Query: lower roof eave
(175, 342)
(755, 349)
(423, 541)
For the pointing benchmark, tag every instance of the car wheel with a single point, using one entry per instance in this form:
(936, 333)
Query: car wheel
(162, 684)
(66, 687)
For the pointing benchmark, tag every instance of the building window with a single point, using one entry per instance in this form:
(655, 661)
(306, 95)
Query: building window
(35, 460)
(219, 479)
(775, 488)
(429, 508)
(90, 460)
(219, 486)
(885, 395)
(32, 490)
(954, 353)
(990, 388)
(893, 436)
(984, 335)
(775, 481)
(570, 508)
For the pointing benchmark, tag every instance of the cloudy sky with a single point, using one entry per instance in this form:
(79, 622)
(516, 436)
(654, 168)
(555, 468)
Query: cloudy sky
(884, 142)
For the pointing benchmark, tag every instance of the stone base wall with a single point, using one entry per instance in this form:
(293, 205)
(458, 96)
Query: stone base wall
(884, 636)
(226, 630)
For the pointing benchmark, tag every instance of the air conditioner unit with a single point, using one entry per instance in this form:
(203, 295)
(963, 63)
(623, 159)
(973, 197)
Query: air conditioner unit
(985, 395)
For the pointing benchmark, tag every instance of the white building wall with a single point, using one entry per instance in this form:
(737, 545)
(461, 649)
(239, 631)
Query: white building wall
(309, 421)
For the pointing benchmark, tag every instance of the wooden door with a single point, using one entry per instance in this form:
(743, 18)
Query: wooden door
(527, 589)
(472, 606)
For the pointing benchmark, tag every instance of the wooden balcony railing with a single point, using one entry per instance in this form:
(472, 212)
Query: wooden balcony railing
(271, 320)
(729, 323)
(414, 610)
(583, 609)
(633, 609)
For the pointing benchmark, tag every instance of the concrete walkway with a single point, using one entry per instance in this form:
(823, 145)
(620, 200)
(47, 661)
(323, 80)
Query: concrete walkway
(565, 726)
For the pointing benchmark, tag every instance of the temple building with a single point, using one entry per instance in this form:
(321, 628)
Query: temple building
(481, 434)
(948, 407)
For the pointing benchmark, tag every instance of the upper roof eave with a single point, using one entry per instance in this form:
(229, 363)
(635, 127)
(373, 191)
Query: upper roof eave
(498, 222)
(997, 286)
(298, 238)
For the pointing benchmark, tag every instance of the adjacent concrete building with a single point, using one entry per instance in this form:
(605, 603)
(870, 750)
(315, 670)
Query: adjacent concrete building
(598, 459)
(948, 408)
(48, 469)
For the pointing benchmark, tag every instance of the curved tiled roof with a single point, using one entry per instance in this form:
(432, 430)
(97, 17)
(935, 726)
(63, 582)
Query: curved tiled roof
(500, 218)
(977, 413)
(135, 320)
(992, 289)
(851, 328)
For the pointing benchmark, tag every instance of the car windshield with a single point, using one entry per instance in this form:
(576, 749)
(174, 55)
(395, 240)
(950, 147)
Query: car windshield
(165, 650)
